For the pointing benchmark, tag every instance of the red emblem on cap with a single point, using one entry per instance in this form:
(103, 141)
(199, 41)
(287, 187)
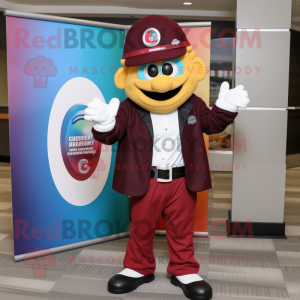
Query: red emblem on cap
(151, 37)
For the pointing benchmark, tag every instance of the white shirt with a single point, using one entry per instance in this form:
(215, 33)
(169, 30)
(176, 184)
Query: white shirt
(166, 143)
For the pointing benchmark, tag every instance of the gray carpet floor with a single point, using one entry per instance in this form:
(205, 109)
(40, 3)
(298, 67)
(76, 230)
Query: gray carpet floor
(236, 268)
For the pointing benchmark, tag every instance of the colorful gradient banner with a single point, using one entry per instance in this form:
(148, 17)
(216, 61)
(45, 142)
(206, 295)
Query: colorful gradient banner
(61, 177)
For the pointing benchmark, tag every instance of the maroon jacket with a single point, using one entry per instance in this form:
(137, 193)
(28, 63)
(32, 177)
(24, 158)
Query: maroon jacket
(134, 132)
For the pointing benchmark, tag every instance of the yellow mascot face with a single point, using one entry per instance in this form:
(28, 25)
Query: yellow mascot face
(162, 86)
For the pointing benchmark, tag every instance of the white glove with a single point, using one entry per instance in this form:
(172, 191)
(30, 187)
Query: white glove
(103, 115)
(233, 99)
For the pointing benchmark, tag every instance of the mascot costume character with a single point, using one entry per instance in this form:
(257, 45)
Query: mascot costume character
(160, 129)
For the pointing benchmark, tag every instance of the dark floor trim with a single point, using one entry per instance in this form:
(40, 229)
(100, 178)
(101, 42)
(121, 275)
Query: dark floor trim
(5, 159)
(264, 230)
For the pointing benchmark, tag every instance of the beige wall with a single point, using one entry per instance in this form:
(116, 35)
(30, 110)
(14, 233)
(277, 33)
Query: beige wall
(3, 78)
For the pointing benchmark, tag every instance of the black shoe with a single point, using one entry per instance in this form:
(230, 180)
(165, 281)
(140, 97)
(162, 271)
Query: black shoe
(198, 290)
(121, 284)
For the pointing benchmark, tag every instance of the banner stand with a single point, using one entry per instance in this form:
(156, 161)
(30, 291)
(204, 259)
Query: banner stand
(30, 255)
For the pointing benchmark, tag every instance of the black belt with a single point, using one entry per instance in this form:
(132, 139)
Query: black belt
(163, 173)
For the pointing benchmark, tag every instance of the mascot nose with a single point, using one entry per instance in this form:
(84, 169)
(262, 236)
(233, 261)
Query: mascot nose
(162, 83)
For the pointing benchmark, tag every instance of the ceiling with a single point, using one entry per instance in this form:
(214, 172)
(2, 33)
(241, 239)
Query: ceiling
(204, 9)
(201, 9)
(228, 5)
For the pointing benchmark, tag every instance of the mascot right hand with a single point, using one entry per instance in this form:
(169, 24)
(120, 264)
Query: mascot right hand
(103, 115)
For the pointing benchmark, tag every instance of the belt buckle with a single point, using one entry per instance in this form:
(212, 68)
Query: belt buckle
(170, 174)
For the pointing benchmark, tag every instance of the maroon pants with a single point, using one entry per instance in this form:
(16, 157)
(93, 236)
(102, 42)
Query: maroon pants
(177, 205)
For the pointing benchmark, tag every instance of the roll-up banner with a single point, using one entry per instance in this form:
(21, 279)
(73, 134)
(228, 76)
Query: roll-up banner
(61, 177)
(62, 192)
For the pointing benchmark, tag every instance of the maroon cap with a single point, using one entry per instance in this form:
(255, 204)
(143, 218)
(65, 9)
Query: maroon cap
(154, 38)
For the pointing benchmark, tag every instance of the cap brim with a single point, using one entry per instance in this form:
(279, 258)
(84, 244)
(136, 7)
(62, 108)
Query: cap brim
(154, 56)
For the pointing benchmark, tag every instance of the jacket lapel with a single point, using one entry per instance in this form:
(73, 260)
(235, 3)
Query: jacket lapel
(145, 115)
(183, 112)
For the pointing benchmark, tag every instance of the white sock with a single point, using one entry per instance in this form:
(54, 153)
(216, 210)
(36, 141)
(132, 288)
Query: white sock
(186, 279)
(131, 273)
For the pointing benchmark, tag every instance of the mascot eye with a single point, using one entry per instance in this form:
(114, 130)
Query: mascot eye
(150, 71)
(169, 68)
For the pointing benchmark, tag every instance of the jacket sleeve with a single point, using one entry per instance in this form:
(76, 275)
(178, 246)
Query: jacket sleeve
(113, 136)
(216, 119)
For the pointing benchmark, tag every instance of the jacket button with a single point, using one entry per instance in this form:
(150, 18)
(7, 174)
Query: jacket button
(150, 145)
(148, 163)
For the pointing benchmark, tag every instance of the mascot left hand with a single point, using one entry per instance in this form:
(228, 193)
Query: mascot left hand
(233, 99)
